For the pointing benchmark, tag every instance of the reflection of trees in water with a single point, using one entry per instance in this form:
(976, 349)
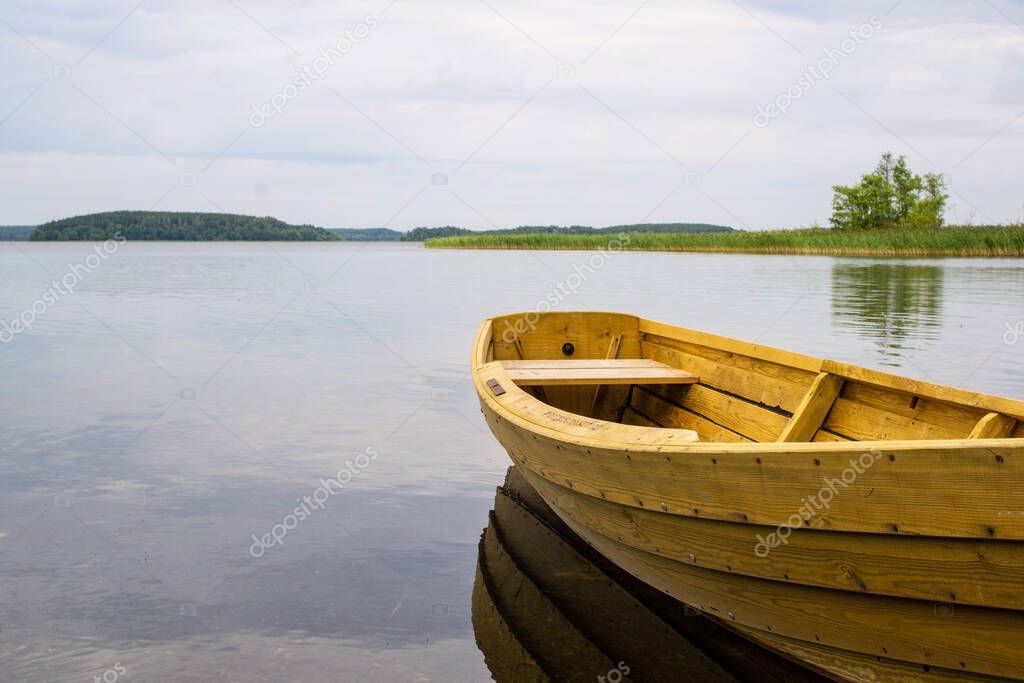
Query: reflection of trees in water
(894, 305)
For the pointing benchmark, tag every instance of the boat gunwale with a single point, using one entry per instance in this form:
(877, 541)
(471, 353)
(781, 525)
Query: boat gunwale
(537, 416)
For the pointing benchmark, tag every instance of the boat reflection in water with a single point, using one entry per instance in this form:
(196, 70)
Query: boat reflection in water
(547, 607)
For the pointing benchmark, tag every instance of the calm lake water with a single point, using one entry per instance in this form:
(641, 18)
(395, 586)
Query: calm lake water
(188, 397)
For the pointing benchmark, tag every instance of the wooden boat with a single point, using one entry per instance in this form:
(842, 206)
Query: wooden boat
(866, 524)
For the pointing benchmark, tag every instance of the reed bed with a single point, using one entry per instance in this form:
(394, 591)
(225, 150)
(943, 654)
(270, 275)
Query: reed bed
(1004, 241)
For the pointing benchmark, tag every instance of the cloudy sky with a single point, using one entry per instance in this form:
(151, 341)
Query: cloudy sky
(487, 113)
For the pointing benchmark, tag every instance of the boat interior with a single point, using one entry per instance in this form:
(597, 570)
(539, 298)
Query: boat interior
(623, 369)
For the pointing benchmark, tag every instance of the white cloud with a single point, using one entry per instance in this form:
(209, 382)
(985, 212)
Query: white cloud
(449, 80)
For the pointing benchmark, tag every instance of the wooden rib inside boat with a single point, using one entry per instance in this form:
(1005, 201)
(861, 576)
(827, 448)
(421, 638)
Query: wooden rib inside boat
(866, 523)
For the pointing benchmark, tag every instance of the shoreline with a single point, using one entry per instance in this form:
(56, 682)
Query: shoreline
(954, 242)
(868, 253)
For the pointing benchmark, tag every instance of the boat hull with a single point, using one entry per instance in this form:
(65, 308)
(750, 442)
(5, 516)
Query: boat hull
(851, 628)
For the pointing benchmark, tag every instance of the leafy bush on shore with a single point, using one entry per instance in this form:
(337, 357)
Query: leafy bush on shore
(890, 197)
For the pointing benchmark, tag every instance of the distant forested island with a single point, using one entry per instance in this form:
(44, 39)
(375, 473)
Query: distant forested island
(172, 225)
(12, 233)
(423, 234)
(199, 227)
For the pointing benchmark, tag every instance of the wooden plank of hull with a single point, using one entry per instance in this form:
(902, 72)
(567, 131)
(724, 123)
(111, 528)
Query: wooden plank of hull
(918, 488)
(961, 571)
(747, 419)
(810, 365)
(938, 392)
(825, 436)
(666, 414)
(761, 382)
(866, 423)
(976, 640)
(858, 668)
(958, 419)
(632, 417)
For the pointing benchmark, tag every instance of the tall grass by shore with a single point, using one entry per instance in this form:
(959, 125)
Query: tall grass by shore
(952, 241)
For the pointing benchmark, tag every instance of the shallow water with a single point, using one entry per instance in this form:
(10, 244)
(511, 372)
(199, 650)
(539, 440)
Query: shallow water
(188, 396)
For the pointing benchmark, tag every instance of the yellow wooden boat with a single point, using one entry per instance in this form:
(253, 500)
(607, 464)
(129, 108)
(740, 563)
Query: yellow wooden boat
(866, 524)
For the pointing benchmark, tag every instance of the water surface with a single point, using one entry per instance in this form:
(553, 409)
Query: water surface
(189, 396)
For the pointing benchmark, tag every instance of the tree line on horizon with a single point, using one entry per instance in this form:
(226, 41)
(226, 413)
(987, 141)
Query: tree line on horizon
(423, 234)
(197, 226)
(890, 197)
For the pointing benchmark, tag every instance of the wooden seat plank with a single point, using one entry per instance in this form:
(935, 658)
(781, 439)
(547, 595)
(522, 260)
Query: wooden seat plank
(594, 372)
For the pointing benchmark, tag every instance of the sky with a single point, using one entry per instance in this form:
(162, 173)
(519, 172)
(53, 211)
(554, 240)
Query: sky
(496, 113)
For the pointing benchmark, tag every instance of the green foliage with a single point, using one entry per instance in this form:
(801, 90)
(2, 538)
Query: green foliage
(366, 234)
(666, 228)
(167, 225)
(890, 197)
(542, 230)
(423, 234)
(611, 230)
(952, 241)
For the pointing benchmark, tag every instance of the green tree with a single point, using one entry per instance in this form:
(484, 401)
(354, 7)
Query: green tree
(867, 205)
(890, 197)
